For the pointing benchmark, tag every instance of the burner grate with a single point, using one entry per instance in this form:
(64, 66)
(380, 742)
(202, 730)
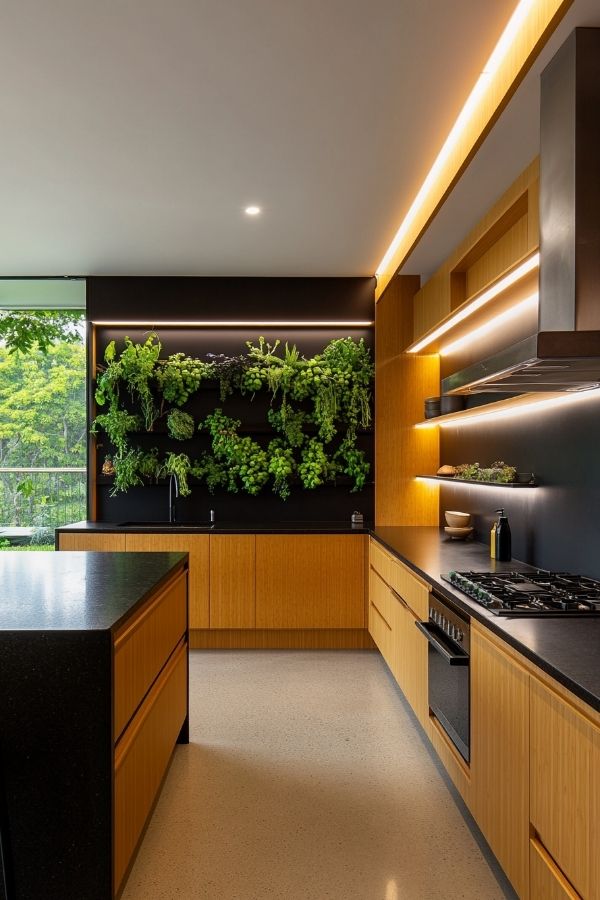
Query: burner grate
(538, 593)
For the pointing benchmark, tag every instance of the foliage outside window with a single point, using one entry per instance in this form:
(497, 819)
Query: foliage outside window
(317, 407)
(42, 419)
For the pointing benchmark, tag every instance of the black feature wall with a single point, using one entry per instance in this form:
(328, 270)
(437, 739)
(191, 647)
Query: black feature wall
(150, 301)
(556, 525)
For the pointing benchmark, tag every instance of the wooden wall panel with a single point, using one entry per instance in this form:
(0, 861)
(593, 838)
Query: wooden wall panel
(232, 580)
(491, 264)
(403, 381)
(196, 545)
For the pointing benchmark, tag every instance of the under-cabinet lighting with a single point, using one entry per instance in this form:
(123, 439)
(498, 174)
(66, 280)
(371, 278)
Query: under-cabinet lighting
(515, 411)
(430, 480)
(461, 125)
(528, 266)
(252, 210)
(513, 313)
(232, 324)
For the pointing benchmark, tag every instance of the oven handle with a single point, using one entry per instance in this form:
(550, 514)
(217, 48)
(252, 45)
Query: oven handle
(453, 659)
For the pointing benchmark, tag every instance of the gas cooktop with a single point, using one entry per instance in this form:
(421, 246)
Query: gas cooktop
(538, 593)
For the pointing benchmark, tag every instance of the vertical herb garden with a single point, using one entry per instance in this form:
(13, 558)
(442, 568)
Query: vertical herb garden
(315, 409)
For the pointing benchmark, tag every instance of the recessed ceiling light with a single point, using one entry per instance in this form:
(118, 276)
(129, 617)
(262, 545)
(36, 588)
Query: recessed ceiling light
(252, 210)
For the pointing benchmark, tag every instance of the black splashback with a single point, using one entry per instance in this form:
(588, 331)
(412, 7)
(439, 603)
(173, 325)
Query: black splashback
(301, 300)
(557, 525)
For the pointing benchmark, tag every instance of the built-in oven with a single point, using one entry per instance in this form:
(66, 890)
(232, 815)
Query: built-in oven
(447, 631)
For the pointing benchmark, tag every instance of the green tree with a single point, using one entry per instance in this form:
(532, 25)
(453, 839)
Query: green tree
(42, 424)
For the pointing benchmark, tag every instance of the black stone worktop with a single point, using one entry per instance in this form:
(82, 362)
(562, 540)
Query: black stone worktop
(76, 591)
(219, 528)
(568, 648)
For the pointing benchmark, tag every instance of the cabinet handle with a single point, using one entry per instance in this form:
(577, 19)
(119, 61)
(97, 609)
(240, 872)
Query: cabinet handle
(401, 600)
(453, 659)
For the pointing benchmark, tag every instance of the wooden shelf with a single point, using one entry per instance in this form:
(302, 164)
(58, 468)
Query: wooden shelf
(451, 479)
(498, 407)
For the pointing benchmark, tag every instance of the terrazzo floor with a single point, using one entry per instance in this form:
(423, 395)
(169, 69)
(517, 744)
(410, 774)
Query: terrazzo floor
(306, 778)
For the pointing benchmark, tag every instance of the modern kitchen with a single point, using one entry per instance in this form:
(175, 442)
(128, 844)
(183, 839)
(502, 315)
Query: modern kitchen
(331, 624)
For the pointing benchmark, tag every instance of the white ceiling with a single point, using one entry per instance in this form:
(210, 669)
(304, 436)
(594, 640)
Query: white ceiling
(135, 131)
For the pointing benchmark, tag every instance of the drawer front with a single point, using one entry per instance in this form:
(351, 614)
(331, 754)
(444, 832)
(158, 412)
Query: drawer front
(143, 646)
(381, 616)
(546, 881)
(380, 561)
(142, 756)
(413, 591)
(68, 540)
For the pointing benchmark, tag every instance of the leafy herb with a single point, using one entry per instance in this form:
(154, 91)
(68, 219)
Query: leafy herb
(180, 425)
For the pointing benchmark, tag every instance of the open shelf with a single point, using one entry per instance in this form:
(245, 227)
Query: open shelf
(451, 479)
(501, 408)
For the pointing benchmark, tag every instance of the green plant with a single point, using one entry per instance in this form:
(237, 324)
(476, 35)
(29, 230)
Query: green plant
(118, 424)
(180, 376)
(180, 425)
(289, 422)
(23, 329)
(498, 472)
(127, 474)
(281, 466)
(316, 468)
(178, 464)
(246, 460)
(230, 372)
(353, 463)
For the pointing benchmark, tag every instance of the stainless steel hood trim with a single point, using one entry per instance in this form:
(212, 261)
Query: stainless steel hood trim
(547, 361)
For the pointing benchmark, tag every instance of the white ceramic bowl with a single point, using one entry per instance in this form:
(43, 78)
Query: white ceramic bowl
(457, 519)
(457, 534)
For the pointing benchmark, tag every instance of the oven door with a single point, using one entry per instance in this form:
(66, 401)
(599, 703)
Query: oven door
(449, 694)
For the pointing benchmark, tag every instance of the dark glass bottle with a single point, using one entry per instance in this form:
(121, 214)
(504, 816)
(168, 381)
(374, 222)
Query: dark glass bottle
(503, 542)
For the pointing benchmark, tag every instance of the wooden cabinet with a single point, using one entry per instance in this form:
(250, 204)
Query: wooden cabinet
(564, 787)
(232, 581)
(500, 755)
(197, 546)
(397, 599)
(70, 540)
(310, 581)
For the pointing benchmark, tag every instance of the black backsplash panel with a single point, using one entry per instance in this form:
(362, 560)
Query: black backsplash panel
(554, 526)
(230, 299)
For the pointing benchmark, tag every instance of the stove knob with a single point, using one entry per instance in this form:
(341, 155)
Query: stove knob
(454, 632)
(459, 635)
(432, 613)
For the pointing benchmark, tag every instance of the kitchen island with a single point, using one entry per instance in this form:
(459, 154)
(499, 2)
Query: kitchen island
(93, 698)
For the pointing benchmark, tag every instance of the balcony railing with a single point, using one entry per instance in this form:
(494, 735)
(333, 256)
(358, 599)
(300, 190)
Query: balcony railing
(42, 497)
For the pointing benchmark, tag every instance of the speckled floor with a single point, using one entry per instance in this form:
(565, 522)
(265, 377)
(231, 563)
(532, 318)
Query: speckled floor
(305, 779)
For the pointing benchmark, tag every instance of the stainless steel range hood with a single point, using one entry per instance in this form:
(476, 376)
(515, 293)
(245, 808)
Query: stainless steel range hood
(564, 354)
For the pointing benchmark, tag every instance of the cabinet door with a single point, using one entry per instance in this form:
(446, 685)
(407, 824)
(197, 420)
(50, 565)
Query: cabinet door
(500, 755)
(232, 580)
(310, 581)
(565, 759)
(546, 881)
(69, 540)
(198, 576)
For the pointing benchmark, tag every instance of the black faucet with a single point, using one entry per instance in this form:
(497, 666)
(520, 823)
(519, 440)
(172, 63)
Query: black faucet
(173, 495)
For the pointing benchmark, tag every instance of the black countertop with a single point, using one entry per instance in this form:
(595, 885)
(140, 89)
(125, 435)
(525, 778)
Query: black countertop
(568, 649)
(219, 528)
(77, 591)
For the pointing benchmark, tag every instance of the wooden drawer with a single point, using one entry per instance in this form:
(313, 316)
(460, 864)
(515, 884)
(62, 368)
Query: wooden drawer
(546, 881)
(142, 756)
(380, 561)
(411, 588)
(70, 540)
(144, 644)
(413, 591)
(381, 617)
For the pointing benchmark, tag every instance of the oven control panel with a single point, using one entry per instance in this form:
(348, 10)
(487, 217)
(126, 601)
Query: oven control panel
(454, 625)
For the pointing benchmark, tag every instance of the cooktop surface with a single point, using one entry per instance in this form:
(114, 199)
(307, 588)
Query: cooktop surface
(538, 593)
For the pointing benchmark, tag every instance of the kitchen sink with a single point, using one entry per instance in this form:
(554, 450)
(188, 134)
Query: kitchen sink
(194, 526)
